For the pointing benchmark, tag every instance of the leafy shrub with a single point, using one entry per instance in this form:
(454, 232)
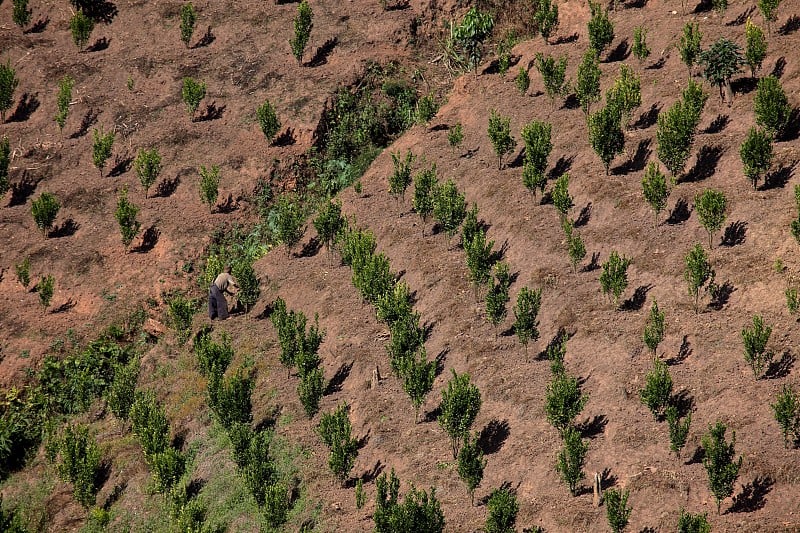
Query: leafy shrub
(11, 521)
(571, 458)
(149, 424)
(81, 27)
(626, 93)
(658, 388)
(79, 463)
(259, 470)
(290, 220)
(755, 341)
(418, 512)
(771, 105)
(655, 189)
(756, 154)
(576, 249)
(401, 177)
(471, 464)
(65, 86)
(718, 462)
(792, 299)
(45, 289)
(698, 272)
(20, 14)
(276, 504)
(601, 29)
(394, 304)
(689, 46)
(614, 278)
(147, 166)
(406, 338)
(426, 109)
(564, 400)
(719, 5)
(192, 93)
(756, 47)
(8, 83)
(786, 411)
(449, 207)
(180, 311)
(553, 74)
(425, 187)
(562, 199)
(526, 312)
(678, 429)
(500, 136)
(677, 128)
(168, 468)
(497, 297)
(212, 356)
(209, 185)
(479, 257)
(188, 22)
(711, 206)
(455, 135)
(768, 8)
(23, 271)
(230, 398)
(461, 402)
(538, 145)
(606, 135)
(640, 49)
(249, 289)
(303, 23)
(587, 85)
(418, 374)
(268, 120)
(654, 328)
(44, 210)
(335, 430)
(361, 495)
(102, 144)
(693, 523)
(120, 394)
(310, 390)
(617, 510)
(545, 18)
(502, 511)
(522, 80)
(126, 218)
(470, 34)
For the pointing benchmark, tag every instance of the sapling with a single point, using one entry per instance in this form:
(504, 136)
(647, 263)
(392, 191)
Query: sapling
(8, 84)
(126, 218)
(755, 341)
(655, 189)
(470, 465)
(499, 131)
(102, 144)
(689, 45)
(711, 206)
(786, 410)
(640, 49)
(526, 315)
(401, 177)
(45, 289)
(20, 14)
(606, 135)
(571, 458)
(587, 85)
(545, 18)
(303, 24)
(147, 166)
(771, 105)
(698, 272)
(654, 328)
(192, 93)
(81, 27)
(678, 429)
(5, 161)
(601, 29)
(756, 154)
(62, 101)
(209, 185)
(44, 210)
(658, 389)
(564, 401)
(756, 47)
(614, 278)
(188, 22)
(553, 74)
(617, 511)
(719, 462)
(268, 120)
(461, 401)
(562, 199)
(455, 135)
(502, 511)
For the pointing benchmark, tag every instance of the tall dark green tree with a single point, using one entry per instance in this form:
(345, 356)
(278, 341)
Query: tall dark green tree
(722, 61)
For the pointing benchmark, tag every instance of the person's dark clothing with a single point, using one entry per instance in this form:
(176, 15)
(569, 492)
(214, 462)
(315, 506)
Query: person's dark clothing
(217, 305)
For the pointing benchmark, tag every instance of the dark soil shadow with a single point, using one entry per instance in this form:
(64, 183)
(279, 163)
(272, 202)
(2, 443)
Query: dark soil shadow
(373, 473)
(571, 102)
(648, 118)
(98, 10)
(99, 45)
(149, 240)
(63, 308)
(66, 229)
(121, 166)
(636, 302)
(212, 112)
(705, 165)
(780, 66)
(697, 456)
(23, 189)
(286, 138)
(703, 7)
(592, 427)
(493, 436)
(338, 379)
(88, 120)
(206, 40)
(322, 53)
(742, 18)
(680, 213)
(594, 263)
(561, 167)
(619, 53)
(744, 85)
(717, 125)
(781, 367)
(791, 25)
(584, 216)
(166, 187)
(637, 161)
(657, 65)
(566, 39)
(753, 495)
(684, 351)
(735, 234)
(310, 249)
(39, 26)
(721, 295)
(792, 129)
(683, 402)
(25, 108)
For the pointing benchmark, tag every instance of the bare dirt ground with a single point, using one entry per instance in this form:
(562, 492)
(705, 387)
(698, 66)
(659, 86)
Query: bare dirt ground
(247, 61)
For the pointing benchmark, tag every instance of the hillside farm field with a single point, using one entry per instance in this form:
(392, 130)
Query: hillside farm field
(450, 275)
